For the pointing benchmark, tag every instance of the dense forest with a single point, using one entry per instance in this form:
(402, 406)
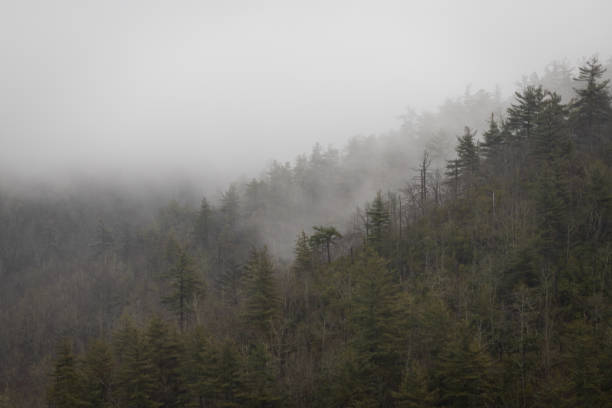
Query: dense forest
(412, 269)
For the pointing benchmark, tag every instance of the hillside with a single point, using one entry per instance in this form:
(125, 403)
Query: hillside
(414, 268)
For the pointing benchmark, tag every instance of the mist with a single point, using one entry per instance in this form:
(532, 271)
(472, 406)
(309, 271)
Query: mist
(297, 204)
(215, 90)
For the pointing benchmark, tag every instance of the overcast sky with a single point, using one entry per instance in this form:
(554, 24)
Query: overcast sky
(153, 86)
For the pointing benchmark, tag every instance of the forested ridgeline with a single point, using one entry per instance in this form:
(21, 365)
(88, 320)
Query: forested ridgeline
(486, 283)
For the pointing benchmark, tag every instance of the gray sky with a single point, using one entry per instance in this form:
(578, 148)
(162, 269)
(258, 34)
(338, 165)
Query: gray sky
(152, 86)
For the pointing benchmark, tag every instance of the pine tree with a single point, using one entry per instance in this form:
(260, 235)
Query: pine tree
(230, 206)
(258, 381)
(302, 266)
(228, 237)
(98, 376)
(228, 377)
(586, 374)
(105, 242)
(203, 223)
(66, 390)
(492, 144)
(465, 168)
(423, 179)
(324, 237)
(255, 196)
(135, 380)
(261, 305)
(376, 319)
(379, 222)
(452, 172)
(185, 286)
(229, 281)
(522, 115)
(591, 110)
(201, 369)
(551, 137)
(553, 216)
(467, 154)
(164, 354)
(465, 375)
(414, 390)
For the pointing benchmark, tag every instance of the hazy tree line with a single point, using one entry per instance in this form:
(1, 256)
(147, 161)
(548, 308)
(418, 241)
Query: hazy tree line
(483, 280)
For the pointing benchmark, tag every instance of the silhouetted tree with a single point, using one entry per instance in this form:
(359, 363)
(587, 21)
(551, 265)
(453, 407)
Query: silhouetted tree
(324, 237)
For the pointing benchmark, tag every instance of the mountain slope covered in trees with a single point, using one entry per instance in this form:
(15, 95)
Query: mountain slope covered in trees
(479, 281)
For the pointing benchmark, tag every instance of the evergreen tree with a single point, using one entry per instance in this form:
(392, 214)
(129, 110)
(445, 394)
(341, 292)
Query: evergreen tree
(493, 141)
(185, 286)
(551, 136)
(164, 355)
(591, 110)
(465, 375)
(255, 198)
(258, 380)
(230, 206)
(105, 242)
(452, 172)
(261, 305)
(377, 320)
(229, 281)
(201, 366)
(324, 237)
(553, 211)
(423, 179)
(588, 385)
(302, 265)
(228, 377)
(98, 378)
(379, 222)
(467, 154)
(135, 374)
(465, 168)
(523, 113)
(414, 390)
(66, 390)
(203, 223)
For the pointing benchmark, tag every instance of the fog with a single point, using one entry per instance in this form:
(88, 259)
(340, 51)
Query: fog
(217, 89)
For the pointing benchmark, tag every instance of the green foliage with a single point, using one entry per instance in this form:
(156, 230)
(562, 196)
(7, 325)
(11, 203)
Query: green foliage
(230, 281)
(230, 206)
(136, 382)
(323, 238)
(261, 303)
(97, 374)
(465, 375)
(377, 321)
(379, 222)
(591, 110)
(303, 263)
(185, 285)
(201, 363)
(228, 378)
(203, 224)
(493, 142)
(467, 153)
(551, 136)
(522, 115)
(164, 354)
(65, 390)
(258, 380)
(502, 296)
(464, 169)
(414, 390)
